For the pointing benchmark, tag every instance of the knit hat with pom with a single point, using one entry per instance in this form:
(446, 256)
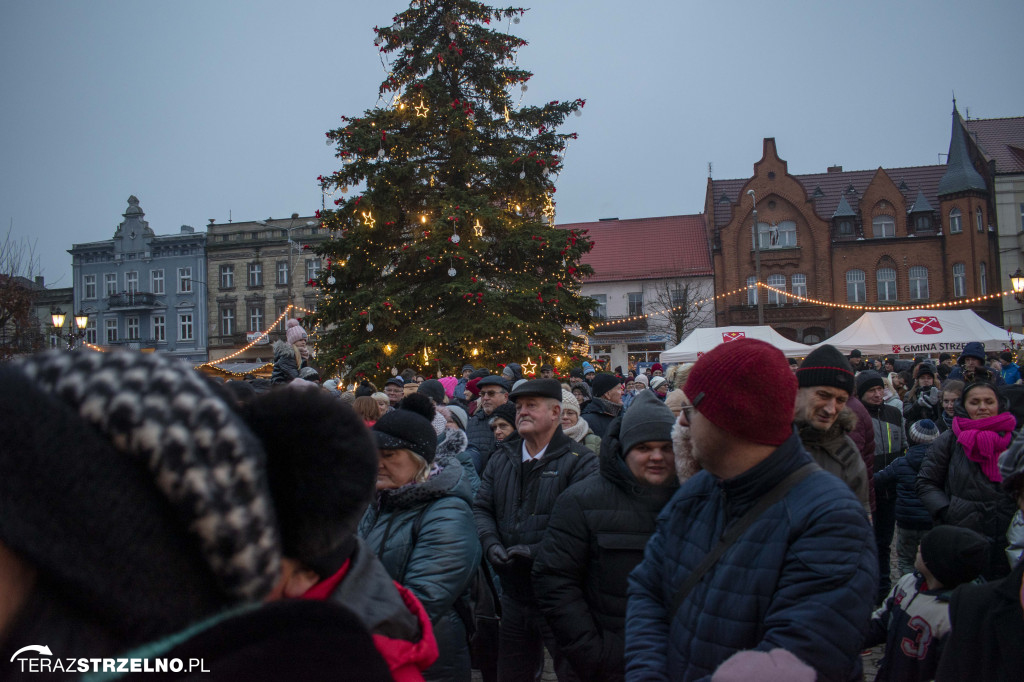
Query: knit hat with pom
(294, 331)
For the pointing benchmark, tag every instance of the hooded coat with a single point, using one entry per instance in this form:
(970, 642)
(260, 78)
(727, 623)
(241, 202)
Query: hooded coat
(425, 538)
(599, 413)
(287, 363)
(835, 452)
(595, 537)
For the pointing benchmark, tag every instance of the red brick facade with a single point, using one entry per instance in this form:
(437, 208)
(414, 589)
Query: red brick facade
(832, 244)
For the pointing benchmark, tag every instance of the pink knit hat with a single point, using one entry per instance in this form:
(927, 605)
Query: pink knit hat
(294, 331)
(777, 665)
(449, 385)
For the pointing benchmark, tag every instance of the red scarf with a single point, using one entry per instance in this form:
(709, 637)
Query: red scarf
(984, 439)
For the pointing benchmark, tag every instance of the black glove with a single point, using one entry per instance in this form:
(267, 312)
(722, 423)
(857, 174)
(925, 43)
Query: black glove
(519, 553)
(497, 555)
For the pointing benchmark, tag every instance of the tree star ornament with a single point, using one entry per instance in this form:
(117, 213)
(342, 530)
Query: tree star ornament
(529, 367)
(421, 109)
(368, 219)
(478, 229)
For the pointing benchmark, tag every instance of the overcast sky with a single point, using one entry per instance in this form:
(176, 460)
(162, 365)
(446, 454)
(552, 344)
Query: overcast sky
(218, 109)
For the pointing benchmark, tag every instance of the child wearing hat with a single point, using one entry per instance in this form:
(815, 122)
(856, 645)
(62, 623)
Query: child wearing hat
(914, 621)
(912, 518)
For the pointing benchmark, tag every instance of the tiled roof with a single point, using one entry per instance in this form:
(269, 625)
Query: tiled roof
(1002, 139)
(647, 248)
(835, 186)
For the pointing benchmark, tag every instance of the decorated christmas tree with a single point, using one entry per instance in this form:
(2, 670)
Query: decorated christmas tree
(443, 245)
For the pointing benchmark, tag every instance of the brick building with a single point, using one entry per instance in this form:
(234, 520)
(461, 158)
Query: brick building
(891, 236)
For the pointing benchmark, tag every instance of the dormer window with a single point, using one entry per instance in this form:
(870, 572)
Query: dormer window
(922, 223)
(845, 228)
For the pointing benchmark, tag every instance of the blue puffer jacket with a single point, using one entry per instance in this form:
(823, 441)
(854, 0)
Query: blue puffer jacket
(438, 564)
(803, 577)
(902, 474)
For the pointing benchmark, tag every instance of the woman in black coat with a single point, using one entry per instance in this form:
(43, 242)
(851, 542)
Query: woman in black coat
(596, 536)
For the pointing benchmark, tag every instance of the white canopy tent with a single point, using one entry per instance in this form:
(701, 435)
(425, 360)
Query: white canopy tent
(703, 339)
(919, 331)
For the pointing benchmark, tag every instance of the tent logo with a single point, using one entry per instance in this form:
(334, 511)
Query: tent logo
(732, 336)
(925, 325)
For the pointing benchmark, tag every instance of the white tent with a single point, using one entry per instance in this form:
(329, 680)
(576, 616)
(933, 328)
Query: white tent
(703, 339)
(919, 331)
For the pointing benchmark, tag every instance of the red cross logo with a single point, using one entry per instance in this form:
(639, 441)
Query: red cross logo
(732, 336)
(925, 325)
(896, 349)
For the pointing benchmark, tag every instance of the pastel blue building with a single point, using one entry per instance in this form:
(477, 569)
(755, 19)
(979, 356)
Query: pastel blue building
(143, 291)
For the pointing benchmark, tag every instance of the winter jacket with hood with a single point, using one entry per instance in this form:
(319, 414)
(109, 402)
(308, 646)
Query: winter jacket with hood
(835, 452)
(287, 363)
(481, 437)
(974, 349)
(955, 491)
(901, 475)
(515, 500)
(425, 538)
(595, 537)
(802, 577)
(455, 443)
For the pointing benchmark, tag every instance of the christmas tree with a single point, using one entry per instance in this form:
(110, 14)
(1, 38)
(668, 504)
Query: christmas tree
(447, 252)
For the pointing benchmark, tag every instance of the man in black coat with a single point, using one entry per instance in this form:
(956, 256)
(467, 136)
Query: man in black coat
(523, 478)
(606, 403)
(596, 536)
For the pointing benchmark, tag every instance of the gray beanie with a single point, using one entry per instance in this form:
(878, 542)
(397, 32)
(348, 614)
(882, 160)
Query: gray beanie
(647, 419)
(433, 389)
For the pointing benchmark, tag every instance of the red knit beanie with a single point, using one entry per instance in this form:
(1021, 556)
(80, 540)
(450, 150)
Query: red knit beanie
(745, 388)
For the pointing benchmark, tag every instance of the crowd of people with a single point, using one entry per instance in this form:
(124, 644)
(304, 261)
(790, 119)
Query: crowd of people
(731, 519)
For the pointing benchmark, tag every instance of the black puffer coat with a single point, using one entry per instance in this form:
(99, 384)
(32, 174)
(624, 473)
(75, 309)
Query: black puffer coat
(955, 491)
(902, 474)
(286, 363)
(515, 500)
(480, 436)
(599, 413)
(596, 536)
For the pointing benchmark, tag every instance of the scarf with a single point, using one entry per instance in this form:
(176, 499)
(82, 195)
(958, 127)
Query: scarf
(577, 431)
(984, 439)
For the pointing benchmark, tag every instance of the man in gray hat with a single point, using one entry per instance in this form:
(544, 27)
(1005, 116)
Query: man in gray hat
(460, 386)
(521, 482)
(493, 392)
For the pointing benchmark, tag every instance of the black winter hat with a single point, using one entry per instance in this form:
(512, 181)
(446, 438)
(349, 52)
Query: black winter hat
(924, 368)
(322, 487)
(433, 389)
(647, 419)
(868, 380)
(954, 555)
(396, 380)
(974, 349)
(826, 366)
(405, 430)
(495, 380)
(603, 382)
(576, 372)
(543, 388)
(506, 411)
(855, 353)
(480, 373)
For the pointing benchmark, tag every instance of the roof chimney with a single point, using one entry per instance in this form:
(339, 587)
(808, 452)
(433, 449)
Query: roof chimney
(835, 169)
(39, 281)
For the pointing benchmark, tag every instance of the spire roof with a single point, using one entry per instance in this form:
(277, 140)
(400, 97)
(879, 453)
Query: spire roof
(844, 210)
(920, 203)
(961, 175)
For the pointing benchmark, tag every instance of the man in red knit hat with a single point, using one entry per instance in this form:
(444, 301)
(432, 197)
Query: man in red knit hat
(762, 549)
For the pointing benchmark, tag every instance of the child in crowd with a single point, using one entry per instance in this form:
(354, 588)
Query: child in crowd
(913, 622)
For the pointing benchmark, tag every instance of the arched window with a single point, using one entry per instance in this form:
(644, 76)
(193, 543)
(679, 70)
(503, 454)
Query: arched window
(959, 280)
(799, 285)
(883, 226)
(979, 219)
(955, 226)
(779, 282)
(855, 288)
(918, 283)
(886, 280)
(982, 280)
(751, 291)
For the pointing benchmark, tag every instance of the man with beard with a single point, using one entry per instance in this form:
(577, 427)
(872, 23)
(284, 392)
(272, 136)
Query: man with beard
(596, 536)
(826, 381)
(890, 443)
(606, 403)
(521, 482)
(796, 569)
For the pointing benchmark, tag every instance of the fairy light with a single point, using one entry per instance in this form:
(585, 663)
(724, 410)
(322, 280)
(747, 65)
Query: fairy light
(883, 308)
(255, 341)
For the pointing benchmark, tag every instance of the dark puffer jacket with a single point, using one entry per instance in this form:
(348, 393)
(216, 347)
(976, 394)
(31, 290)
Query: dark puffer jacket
(835, 452)
(286, 365)
(599, 413)
(803, 577)
(955, 491)
(436, 563)
(481, 437)
(515, 500)
(902, 474)
(597, 535)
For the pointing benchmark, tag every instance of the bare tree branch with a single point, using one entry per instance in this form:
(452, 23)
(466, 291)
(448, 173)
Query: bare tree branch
(688, 304)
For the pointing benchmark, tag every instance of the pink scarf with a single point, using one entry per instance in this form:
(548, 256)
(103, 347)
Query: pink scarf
(984, 439)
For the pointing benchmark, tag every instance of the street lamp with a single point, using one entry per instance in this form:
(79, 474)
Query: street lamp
(57, 316)
(757, 260)
(1017, 280)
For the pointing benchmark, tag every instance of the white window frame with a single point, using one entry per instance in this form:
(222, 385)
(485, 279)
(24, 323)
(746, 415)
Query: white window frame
(89, 287)
(856, 279)
(917, 275)
(227, 321)
(886, 287)
(601, 309)
(752, 290)
(282, 272)
(255, 272)
(158, 324)
(779, 282)
(883, 227)
(110, 329)
(255, 318)
(227, 276)
(982, 279)
(959, 280)
(131, 281)
(110, 283)
(156, 280)
(956, 225)
(90, 331)
(186, 330)
(131, 323)
(799, 284)
(312, 268)
(979, 219)
(185, 280)
(634, 307)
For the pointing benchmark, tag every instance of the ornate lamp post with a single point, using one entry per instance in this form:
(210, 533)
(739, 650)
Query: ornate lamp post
(81, 320)
(1017, 280)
